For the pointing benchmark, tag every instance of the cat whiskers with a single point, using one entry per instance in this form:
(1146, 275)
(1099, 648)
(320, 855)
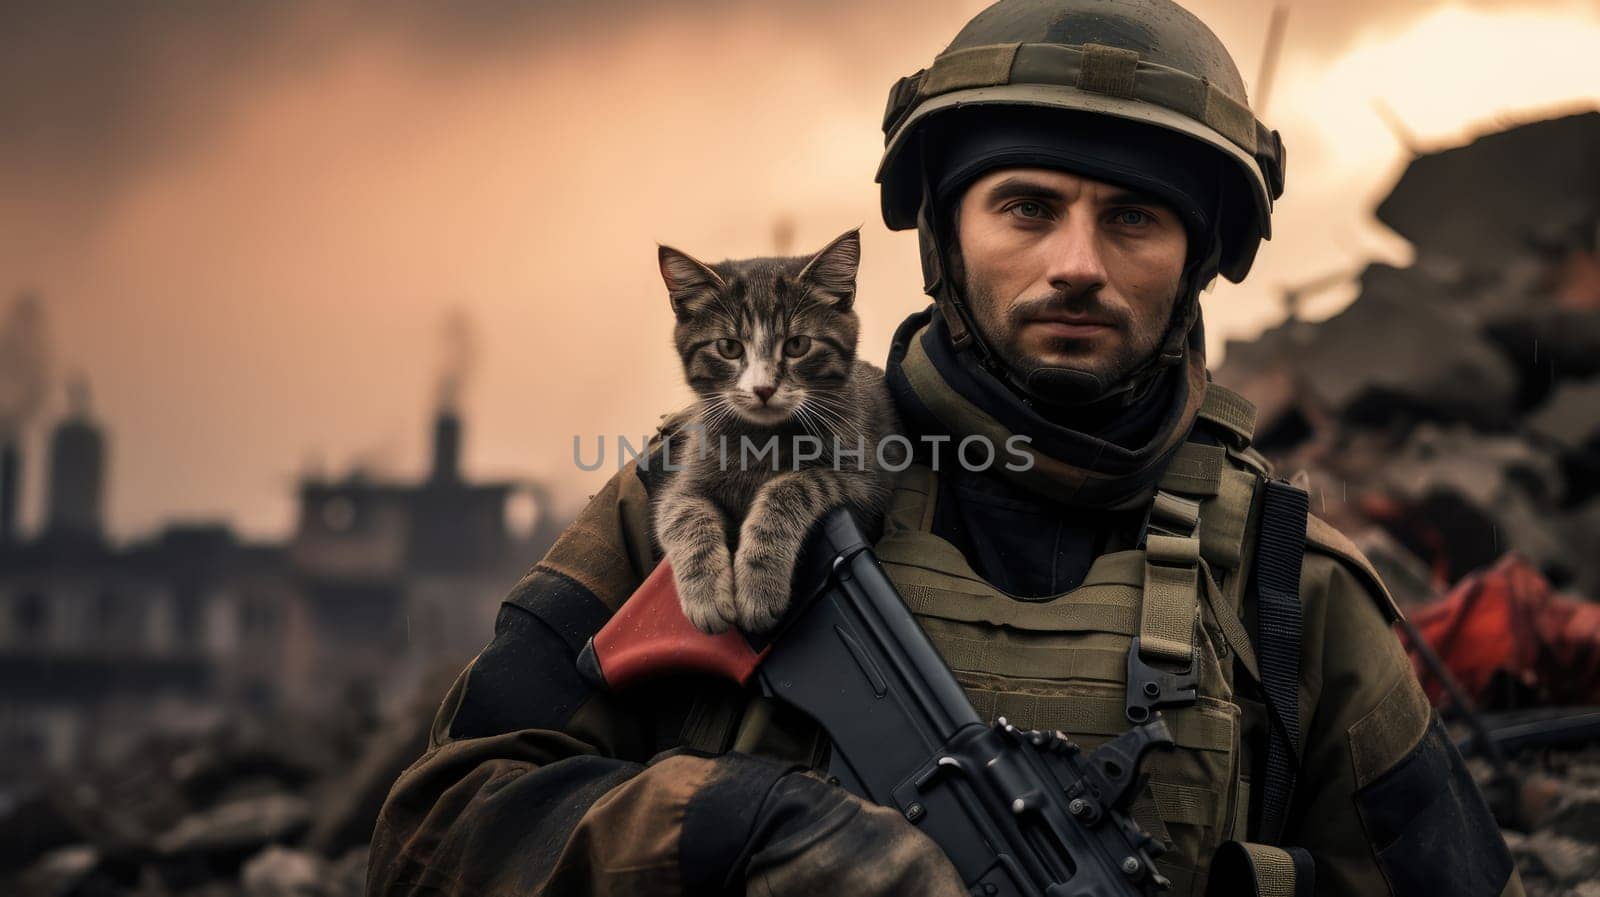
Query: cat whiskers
(811, 421)
(831, 415)
(715, 411)
(840, 409)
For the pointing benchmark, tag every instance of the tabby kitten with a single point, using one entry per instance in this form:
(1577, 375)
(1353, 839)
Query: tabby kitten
(769, 347)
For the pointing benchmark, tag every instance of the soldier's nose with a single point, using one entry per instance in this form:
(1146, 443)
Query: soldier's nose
(764, 393)
(1076, 263)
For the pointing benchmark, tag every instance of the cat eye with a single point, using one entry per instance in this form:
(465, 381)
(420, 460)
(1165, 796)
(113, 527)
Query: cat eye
(796, 346)
(730, 348)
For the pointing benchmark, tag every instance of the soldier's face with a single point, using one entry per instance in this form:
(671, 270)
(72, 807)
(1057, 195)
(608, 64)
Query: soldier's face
(1064, 271)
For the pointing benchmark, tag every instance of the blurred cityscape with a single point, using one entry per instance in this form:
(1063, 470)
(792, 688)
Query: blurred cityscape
(232, 713)
(101, 644)
(195, 669)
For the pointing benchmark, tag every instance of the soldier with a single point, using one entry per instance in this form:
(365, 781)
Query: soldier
(1078, 171)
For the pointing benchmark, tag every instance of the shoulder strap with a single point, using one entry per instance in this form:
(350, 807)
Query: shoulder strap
(1235, 417)
(1280, 551)
(1230, 411)
(1322, 537)
(1161, 667)
(912, 503)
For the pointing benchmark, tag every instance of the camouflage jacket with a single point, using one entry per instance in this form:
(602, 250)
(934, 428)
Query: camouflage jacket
(533, 783)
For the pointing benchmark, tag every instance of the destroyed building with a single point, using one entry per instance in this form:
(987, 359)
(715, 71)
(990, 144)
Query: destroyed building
(102, 645)
(1449, 421)
(1451, 413)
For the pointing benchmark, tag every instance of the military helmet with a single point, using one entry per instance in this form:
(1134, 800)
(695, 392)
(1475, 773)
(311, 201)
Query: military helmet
(1148, 61)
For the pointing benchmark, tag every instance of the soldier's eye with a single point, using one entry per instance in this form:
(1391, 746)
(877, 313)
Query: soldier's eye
(1029, 209)
(796, 346)
(1133, 217)
(730, 348)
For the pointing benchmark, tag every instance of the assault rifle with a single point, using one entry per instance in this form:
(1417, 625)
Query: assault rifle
(1019, 813)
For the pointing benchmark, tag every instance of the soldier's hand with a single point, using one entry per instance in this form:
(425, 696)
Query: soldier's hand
(815, 838)
(767, 828)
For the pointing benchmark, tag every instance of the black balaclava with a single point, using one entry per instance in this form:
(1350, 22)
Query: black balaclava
(1169, 166)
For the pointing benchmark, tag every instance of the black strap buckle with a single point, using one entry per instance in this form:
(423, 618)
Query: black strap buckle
(1150, 688)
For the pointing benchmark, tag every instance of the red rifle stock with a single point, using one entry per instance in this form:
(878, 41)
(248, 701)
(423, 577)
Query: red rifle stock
(650, 637)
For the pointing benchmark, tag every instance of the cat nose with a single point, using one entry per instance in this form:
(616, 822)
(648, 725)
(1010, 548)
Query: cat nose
(764, 393)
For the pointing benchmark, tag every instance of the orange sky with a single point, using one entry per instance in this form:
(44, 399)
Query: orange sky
(248, 232)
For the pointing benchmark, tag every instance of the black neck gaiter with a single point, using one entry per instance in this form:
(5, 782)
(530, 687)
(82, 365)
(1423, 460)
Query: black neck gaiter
(1083, 456)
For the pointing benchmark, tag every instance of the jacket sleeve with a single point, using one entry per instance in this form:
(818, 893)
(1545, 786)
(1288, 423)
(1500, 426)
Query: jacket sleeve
(1383, 801)
(534, 784)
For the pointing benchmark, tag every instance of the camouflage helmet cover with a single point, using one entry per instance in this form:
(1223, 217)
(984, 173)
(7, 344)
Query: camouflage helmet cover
(1148, 61)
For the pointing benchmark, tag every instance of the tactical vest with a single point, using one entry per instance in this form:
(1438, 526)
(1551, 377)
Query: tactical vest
(1063, 661)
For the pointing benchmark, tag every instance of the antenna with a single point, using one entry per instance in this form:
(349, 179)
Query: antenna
(1269, 56)
(78, 396)
(783, 235)
(1294, 296)
(1402, 134)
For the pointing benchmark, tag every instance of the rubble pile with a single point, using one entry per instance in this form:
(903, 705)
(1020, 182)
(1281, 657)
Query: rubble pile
(256, 807)
(1451, 413)
(1557, 796)
(1448, 420)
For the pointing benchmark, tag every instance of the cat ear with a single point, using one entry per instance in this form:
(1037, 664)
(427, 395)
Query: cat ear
(687, 279)
(834, 268)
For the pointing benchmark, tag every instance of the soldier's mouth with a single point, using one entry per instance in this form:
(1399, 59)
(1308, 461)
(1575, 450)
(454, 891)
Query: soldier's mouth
(1069, 328)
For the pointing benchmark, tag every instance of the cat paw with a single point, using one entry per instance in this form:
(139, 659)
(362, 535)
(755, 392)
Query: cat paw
(762, 592)
(707, 599)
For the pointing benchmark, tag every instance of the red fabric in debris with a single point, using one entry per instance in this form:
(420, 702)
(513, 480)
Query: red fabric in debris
(1507, 623)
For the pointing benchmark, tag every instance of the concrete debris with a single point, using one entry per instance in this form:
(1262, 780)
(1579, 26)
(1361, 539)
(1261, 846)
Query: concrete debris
(253, 808)
(168, 793)
(1559, 853)
(1455, 404)
(352, 802)
(1570, 418)
(63, 871)
(1448, 420)
(1546, 346)
(1581, 529)
(282, 872)
(1397, 354)
(1473, 496)
(35, 823)
(1534, 188)
(242, 824)
(1562, 858)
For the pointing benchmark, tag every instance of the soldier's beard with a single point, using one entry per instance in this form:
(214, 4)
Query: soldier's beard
(1140, 338)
